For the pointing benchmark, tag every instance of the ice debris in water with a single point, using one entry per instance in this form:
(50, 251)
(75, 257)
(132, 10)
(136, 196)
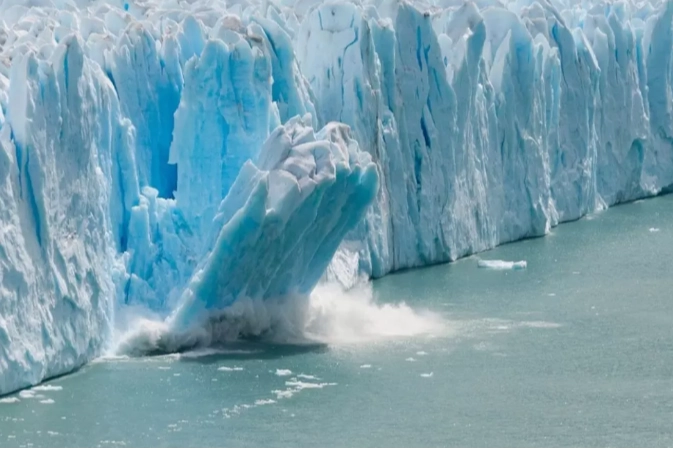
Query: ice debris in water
(307, 376)
(28, 394)
(283, 372)
(502, 264)
(182, 159)
(230, 368)
(47, 387)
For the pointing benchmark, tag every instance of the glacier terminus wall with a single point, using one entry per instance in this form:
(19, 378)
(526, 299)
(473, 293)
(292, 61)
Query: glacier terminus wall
(181, 156)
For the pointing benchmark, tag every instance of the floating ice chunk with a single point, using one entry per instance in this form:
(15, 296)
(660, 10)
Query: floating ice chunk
(295, 386)
(366, 366)
(410, 359)
(654, 229)
(47, 388)
(264, 402)
(9, 400)
(301, 385)
(427, 374)
(227, 369)
(47, 401)
(421, 353)
(502, 264)
(283, 394)
(307, 377)
(283, 372)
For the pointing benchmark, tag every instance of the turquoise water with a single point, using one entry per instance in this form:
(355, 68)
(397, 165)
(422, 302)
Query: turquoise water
(575, 350)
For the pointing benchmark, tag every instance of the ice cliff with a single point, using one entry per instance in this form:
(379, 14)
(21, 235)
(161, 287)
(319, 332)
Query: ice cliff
(182, 155)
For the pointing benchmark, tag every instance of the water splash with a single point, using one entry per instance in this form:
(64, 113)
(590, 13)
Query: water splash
(328, 316)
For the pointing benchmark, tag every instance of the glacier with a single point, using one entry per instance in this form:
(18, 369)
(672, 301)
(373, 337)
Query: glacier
(183, 156)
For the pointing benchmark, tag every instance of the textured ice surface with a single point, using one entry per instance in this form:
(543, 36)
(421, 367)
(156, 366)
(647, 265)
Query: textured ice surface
(179, 156)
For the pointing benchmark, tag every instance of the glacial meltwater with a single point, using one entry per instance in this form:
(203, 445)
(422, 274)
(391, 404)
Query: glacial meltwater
(573, 349)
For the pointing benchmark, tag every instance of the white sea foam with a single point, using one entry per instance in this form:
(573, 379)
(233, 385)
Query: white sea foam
(329, 316)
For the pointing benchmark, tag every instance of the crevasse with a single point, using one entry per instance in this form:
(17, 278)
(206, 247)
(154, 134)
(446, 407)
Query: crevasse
(182, 155)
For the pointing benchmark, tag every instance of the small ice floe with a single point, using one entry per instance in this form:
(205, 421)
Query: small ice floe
(502, 264)
(47, 401)
(47, 388)
(410, 359)
(10, 400)
(427, 374)
(421, 353)
(654, 229)
(307, 377)
(365, 366)
(283, 372)
(227, 369)
(259, 402)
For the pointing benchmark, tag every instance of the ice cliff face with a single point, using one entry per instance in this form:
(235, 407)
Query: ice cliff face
(181, 156)
(491, 123)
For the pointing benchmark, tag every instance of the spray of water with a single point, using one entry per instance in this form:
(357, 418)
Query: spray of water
(337, 317)
(329, 316)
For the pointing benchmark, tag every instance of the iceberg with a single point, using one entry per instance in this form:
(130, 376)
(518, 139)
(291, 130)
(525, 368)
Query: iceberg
(185, 157)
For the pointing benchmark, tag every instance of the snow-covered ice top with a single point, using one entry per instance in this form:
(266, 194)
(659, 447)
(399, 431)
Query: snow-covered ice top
(181, 155)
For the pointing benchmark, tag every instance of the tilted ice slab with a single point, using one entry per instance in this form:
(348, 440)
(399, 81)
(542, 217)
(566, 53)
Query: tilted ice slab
(139, 140)
(271, 240)
(283, 221)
